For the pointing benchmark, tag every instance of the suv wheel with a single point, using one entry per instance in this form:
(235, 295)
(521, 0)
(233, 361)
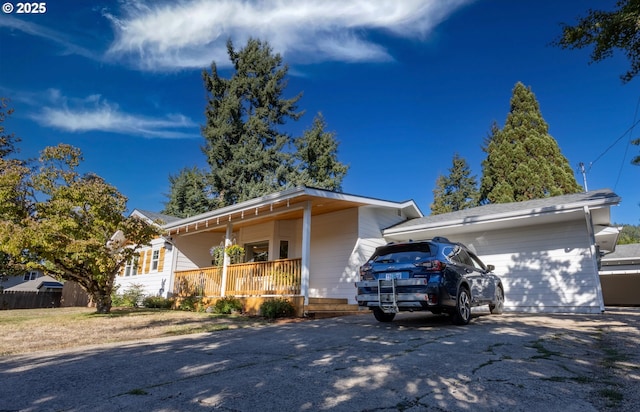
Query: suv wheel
(497, 306)
(462, 314)
(382, 316)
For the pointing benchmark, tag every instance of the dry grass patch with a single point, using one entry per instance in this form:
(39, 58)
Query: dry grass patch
(31, 330)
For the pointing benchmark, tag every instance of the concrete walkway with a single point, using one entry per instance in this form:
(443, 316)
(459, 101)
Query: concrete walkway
(420, 362)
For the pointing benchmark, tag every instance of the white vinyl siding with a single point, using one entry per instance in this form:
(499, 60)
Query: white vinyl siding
(153, 270)
(193, 250)
(371, 222)
(333, 238)
(340, 243)
(544, 268)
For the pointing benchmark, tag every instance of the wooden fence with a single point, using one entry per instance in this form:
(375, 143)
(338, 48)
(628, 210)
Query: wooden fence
(276, 277)
(29, 300)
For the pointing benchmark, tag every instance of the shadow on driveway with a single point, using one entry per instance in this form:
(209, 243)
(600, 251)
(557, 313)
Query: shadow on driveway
(513, 362)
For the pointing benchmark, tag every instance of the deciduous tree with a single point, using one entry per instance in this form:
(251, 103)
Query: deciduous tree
(13, 191)
(607, 31)
(456, 191)
(523, 160)
(70, 233)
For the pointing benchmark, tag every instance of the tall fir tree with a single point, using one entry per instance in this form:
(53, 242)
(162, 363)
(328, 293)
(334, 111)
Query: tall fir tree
(190, 194)
(456, 191)
(317, 157)
(243, 144)
(523, 160)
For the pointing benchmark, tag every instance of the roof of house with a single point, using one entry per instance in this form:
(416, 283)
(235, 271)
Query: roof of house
(287, 203)
(43, 282)
(512, 214)
(627, 253)
(155, 216)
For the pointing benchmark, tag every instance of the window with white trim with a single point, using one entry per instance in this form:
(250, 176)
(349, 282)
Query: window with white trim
(154, 259)
(31, 275)
(131, 268)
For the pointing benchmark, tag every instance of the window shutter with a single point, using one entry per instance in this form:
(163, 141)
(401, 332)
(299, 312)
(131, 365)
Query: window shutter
(161, 260)
(147, 262)
(121, 271)
(140, 263)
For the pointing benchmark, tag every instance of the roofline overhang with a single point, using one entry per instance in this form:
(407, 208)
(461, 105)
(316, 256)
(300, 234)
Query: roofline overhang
(288, 195)
(509, 216)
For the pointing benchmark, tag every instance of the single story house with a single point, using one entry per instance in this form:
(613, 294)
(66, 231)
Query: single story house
(308, 244)
(620, 276)
(547, 251)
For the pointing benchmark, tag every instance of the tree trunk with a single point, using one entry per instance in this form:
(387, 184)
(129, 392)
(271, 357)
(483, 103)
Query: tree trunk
(103, 303)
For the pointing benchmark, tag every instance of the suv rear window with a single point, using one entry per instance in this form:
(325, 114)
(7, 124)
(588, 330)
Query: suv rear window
(403, 253)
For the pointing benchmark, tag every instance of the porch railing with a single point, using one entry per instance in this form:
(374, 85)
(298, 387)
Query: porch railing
(276, 277)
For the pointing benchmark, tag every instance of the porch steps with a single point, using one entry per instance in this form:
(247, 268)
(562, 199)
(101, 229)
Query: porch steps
(330, 307)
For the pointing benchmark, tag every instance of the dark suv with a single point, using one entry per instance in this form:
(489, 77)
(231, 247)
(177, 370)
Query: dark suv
(432, 275)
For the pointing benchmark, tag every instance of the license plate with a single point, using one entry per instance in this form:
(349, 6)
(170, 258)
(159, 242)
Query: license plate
(393, 275)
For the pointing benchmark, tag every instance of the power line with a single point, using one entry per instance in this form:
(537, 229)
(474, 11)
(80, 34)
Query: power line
(626, 149)
(614, 143)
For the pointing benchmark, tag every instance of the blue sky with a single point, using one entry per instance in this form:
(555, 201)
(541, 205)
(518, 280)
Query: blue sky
(404, 85)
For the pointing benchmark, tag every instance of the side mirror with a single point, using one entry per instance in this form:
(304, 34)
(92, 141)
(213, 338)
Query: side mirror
(490, 268)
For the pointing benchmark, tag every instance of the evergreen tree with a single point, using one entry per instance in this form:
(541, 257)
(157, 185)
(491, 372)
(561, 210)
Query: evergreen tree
(318, 164)
(457, 191)
(523, 161)
(629, 234)
(244, 147)
(190, 194)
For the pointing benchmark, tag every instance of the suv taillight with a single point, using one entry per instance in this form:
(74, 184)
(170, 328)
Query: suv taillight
(365, 272)
(431, 265)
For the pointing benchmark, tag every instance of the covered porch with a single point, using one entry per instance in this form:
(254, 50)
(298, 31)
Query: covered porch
(276, 233)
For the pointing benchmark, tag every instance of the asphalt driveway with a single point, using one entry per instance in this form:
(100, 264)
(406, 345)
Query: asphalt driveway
(420, 362)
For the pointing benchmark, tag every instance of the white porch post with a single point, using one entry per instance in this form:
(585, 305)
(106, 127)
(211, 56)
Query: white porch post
(226, 260)
(306, 251)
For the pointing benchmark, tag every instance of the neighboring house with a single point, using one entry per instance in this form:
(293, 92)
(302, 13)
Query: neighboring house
(11, 281)
(546, 251)
(39, 283)
(152, 267)
(620, 276)
(302, 242)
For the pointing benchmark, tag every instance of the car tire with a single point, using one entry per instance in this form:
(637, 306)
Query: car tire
(462, 314)
(382, 316)
(497, 306)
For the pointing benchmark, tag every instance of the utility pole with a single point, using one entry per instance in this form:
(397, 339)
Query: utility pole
(584, 176)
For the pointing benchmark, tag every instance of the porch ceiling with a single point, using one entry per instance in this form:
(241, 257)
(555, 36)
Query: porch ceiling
(277, 210)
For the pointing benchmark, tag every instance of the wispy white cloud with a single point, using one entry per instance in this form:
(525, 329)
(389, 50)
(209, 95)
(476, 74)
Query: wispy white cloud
(191, 34)
(94, 113)
(34, 29)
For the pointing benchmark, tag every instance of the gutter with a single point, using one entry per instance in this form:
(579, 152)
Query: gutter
(517, 214)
